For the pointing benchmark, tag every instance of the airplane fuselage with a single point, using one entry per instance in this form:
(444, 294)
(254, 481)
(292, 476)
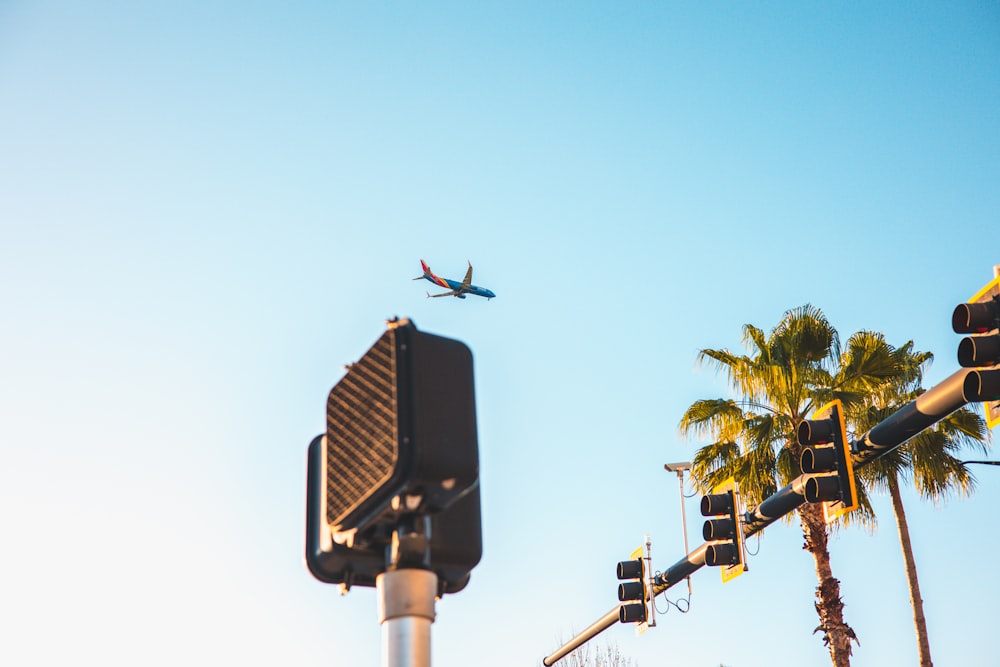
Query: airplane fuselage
(459, 290)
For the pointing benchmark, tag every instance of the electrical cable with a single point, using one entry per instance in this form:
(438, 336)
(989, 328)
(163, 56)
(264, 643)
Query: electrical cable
(685, 602)
(747, 546)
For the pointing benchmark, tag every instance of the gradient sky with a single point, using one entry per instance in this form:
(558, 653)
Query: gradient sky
(208, 208)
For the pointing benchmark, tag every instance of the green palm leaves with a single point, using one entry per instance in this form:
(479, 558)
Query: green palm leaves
(786, 374)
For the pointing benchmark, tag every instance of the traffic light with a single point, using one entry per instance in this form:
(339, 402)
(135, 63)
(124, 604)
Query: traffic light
(724, 532)
(633, 589)
(401, 432)
(394, 481)
(826, 458)
(981, 318)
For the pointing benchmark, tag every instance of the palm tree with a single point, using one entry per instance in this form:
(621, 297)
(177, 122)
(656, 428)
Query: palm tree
(927, 458)
(790, 372)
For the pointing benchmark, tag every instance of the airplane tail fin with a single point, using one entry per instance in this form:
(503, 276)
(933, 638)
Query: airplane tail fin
(426, 269)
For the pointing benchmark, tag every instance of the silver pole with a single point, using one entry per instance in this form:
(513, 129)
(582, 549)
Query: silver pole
(598, 626)
(684, 521)
(406, 612)
(679, 468)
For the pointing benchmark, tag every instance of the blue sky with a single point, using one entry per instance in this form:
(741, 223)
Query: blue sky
(209, 207)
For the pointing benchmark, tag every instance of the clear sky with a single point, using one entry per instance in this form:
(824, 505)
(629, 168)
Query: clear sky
(208, 208)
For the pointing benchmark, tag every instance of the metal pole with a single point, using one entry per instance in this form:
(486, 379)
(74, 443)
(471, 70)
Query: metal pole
(598, 626)
(684, 523)
(679, 468)
(929, 408)
(406, 612)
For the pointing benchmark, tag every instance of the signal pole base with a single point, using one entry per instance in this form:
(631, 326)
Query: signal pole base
(406, 612)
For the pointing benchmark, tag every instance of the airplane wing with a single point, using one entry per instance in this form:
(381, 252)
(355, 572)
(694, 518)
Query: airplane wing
(451, 293)
(467, 281)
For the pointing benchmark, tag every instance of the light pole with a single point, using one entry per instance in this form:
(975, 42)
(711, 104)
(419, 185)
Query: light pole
(679, 468)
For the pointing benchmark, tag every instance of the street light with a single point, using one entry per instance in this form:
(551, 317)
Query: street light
(679, 468)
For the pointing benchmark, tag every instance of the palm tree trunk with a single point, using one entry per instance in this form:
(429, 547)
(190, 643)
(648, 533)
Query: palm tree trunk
(919, 622)
(837, 635)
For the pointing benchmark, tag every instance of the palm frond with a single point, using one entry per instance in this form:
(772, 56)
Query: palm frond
(864, 515)
(738, 369)
(787, 465)
(755, 474)
(804, 336)
(714, 463)
(752, 336)
(718, 418)
(876, 474)
(966, 428)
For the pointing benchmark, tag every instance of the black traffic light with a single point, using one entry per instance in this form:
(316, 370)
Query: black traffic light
(395, 479)
(633, 589)
(981, 350)
(826, 458)
(724, 532)
(401, 432)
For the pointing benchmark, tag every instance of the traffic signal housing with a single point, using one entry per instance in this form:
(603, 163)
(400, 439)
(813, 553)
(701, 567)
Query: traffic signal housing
(401, 432)
(724, 531)
(981, 350)
(633, 589)
(825, 457)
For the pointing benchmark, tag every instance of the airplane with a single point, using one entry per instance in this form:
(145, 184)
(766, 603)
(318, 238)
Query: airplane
(458, 289)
